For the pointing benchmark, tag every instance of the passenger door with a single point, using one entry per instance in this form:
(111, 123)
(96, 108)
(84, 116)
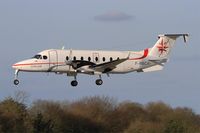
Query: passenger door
(53, 60)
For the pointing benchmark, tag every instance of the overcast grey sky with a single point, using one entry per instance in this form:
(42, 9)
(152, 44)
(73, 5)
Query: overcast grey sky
(28, 27)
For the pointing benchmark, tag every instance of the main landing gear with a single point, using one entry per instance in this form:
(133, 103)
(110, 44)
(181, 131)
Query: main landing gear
(74, 82)
(98, 82)
(16, 81)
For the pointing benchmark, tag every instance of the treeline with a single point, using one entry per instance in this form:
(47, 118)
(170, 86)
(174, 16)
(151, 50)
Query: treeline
(95, 115)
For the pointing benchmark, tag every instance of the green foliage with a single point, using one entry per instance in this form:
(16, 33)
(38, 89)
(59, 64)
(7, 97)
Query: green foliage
(144, 127)
(12, 116)
(95, 115)
(40, 125)
(174, 126)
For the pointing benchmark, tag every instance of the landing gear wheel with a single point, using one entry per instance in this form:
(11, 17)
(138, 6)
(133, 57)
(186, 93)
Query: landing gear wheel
(74, 83)
(99, 82)
(16, 82)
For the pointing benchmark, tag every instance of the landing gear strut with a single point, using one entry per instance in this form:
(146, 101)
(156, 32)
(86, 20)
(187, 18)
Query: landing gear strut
(99, 81)
(16, 81)
(74, 82)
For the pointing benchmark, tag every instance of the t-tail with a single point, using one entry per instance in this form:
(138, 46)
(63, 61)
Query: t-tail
(160, 52)
(164, 45)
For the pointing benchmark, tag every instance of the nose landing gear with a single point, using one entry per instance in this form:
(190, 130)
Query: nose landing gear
(16, 81)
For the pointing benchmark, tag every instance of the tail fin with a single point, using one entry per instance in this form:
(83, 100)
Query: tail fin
(164, 45)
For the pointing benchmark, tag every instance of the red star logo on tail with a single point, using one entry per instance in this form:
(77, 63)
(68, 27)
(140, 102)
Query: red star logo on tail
(162, 47)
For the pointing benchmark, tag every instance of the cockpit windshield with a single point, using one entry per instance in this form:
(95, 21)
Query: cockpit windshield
(37, 56)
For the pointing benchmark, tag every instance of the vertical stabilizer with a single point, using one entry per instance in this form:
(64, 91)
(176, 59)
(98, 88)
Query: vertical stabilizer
(164, 45)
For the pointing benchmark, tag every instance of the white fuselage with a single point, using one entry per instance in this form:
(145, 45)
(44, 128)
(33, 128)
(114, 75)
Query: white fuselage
(54, 60)
(96, 62)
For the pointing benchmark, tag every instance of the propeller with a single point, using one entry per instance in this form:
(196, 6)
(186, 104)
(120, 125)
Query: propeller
(69, 61)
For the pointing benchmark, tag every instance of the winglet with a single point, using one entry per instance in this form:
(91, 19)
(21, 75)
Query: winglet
(185, 37)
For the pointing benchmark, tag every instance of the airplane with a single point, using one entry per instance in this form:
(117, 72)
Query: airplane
(97, 62)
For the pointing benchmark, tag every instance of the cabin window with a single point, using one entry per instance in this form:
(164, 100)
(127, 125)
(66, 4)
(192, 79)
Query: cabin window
(104, 59)
(74, 57)
(111, 59)
(96, 59)
(89, 58)
(82, 58)
(67, 57)
(45, 57)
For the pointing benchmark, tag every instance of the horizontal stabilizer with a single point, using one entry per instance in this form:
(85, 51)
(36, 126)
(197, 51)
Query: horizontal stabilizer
(151, 69)
(174, 36)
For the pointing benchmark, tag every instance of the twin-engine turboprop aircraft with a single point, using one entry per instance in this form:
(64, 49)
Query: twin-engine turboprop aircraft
(93, 62)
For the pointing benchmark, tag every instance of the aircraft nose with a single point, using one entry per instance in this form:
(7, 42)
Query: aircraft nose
(15, 66)
(24, 65)
(18, 65)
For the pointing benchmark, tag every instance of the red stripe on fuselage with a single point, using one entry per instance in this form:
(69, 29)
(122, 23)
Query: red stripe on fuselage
(30, 64)
(146, 51)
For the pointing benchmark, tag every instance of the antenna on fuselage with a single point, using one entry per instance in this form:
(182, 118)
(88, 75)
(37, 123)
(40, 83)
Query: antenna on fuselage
(63, 46)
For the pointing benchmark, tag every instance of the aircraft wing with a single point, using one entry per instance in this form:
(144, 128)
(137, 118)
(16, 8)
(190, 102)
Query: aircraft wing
(80, 63)
(107, 66)
(90, 67)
